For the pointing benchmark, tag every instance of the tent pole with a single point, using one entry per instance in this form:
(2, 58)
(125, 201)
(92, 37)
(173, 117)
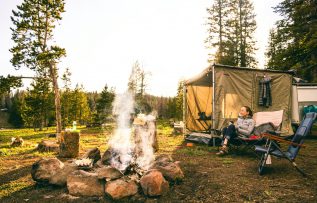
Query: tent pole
(213, 99)
(184, 107)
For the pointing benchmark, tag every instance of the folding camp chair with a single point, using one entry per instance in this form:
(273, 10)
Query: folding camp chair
(264, 121)
(273, 148)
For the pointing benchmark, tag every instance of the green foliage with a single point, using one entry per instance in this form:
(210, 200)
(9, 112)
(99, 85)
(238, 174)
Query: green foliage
(179, 100)
(175, 104)
(292, 43)
(6, 83)
(104, 103)
(231, 25)
(75, 106)
(171, 108)
(39, 103)
(158, 105)
(34, 22)
(15, 115)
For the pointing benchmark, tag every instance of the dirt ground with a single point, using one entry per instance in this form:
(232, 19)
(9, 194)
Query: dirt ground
(208, 178)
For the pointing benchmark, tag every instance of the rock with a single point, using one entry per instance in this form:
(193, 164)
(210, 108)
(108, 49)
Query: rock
(67, 197)
(138, 198)
(108, 173)
(154, 184)
(171, 171)
(44, 169)
(99, 164)
(119, 189)
(106, 157)
(48, 146)
(17, 142)
(60, 178)
(82, 183)
(163, 158)
(93, 154)
(51, 135)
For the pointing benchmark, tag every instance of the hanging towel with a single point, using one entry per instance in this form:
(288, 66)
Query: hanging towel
(265, 96)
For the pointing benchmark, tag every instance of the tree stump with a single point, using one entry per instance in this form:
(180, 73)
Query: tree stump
(69, 144)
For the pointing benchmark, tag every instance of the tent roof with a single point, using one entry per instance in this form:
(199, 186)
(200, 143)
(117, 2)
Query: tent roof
(205, 77)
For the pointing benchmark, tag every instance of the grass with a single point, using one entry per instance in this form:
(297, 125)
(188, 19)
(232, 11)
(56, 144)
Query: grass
(14, 186)
(207, 177)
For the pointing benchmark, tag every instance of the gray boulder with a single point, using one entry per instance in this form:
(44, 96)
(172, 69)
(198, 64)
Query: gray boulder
(44, 169)
(82, 183)
(108, 173)
(60, 178)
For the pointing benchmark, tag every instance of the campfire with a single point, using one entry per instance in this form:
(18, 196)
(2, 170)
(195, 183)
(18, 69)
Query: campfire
(128, 164)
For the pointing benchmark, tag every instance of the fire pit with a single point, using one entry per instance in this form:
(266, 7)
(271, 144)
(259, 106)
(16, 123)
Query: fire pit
(127, 165)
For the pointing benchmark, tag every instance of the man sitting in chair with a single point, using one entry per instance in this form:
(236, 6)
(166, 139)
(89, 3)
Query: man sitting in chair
(244, 126)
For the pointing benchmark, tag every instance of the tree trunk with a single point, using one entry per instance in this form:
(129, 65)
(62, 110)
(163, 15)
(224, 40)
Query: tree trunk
(53, 74)
(220, 7)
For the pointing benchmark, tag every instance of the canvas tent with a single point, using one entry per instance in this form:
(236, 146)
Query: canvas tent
(215, 96)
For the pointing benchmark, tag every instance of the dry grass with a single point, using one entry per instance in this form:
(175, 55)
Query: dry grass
(208, 178)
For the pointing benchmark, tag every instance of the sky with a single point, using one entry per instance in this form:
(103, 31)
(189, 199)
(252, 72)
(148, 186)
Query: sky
(103, 38)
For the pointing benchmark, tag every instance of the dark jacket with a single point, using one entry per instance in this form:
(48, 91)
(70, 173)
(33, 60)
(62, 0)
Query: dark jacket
(265, 96)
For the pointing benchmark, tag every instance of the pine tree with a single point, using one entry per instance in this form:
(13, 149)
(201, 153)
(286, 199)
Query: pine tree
(92, 102)
(38, 103)
(134, 78)
(104, 103)
(79, 108)
(137, 85)
(179, 100)
(6, 83)
(65, 99)
(296, 37)
(231, 28)
(15, 112)
(34, 22)
(218, 15)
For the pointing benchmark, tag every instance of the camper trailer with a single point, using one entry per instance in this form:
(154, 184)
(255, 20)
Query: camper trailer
(304, 95)
(213, 98)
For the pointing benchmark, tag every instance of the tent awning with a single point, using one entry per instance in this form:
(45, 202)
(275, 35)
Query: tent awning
(203, 79)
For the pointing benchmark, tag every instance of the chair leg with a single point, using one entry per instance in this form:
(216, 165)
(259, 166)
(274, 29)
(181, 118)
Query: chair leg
(298, 169)
(264, 158)
(262, 163)
(290, 160)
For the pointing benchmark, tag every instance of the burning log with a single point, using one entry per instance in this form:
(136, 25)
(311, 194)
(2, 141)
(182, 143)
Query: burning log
(145, 126)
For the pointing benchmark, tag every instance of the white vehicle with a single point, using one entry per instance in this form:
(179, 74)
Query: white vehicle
(304, 94)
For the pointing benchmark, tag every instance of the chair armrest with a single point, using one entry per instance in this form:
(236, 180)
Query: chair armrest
(280, 139)
(277, 132)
